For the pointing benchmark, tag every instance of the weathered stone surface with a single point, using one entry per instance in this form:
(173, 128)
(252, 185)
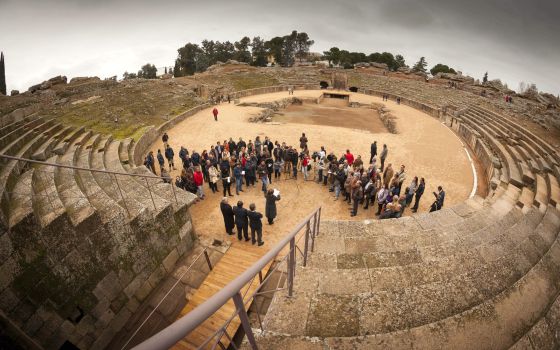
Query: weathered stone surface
(170, 260)
(109, 287)
(334, 315)
(286, 316)
(341, 282)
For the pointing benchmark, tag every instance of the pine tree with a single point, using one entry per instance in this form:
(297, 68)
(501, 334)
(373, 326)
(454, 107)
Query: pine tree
(420, 66)
(165, 70)
(2, 74)
(485, 78)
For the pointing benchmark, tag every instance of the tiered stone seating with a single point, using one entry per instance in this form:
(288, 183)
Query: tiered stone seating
(105, 253)
(484, 274)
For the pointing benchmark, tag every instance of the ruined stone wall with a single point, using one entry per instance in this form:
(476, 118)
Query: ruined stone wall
(82, 284)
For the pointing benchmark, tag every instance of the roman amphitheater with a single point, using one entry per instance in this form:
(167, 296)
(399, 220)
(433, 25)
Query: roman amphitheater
(98, 252)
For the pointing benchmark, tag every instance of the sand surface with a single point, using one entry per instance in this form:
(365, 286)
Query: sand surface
(427, 148)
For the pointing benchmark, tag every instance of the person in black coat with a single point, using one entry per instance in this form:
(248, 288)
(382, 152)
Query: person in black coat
(418, 194)
(227, 212)
(241, 221)
(373, 151)
(226, 179)
(270, 206)
(256, 224)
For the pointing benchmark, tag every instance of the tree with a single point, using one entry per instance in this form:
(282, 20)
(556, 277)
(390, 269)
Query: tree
(258, 51)
(485, 78)
(399, 62)
(186, 61)
(148, 71)
(289, 49)
(443, 68)
(333, 55)
(170, 70)
(242, 53)
(177, 69)
(303, 43)
(127, 75)
(420, 66)
(2, 74)
(274, 48)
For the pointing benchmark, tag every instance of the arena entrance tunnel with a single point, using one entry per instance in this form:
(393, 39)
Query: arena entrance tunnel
(353, 89)
(323, 84)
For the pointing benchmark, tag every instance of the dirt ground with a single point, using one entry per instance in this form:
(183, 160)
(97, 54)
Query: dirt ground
(329, 112)
(427, 148)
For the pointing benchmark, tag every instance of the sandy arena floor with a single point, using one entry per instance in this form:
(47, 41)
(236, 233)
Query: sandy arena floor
(427, 148)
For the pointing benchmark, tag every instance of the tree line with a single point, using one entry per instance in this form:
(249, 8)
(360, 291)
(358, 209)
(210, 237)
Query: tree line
(285, 50)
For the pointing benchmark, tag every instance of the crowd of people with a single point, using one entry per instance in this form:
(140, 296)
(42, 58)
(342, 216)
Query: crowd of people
(243, 163)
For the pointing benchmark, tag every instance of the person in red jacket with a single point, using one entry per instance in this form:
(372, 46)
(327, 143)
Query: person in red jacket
(349, 157)
(215, 112)
(198, 181)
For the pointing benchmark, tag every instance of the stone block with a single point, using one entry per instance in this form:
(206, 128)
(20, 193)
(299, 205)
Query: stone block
(8, 300)
(6, 247)
(157, 275)
(170, 260)
(103, 340)
(67, 328)
(340, 282)
(288, 315)
(109, 287)
(120, 320)
(104, 320)
(136, 283)
(8, 271)
(334, 315)
(85, 325)
(144, 291)
(350, 261)
(33, 324)
(132, 304)
(102, 305)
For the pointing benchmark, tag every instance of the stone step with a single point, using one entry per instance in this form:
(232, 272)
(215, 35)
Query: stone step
(345, 321)
(130, 186)
(107, 207)
(80, 211)
(45, 151)
(65, 142)
(111, 185)
(11, 169)
(17, 133)
(47, 205)
(124, 149)
(8, 128)
(21, 205)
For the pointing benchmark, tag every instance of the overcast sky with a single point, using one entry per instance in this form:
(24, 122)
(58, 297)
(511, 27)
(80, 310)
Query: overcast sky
(512, 40)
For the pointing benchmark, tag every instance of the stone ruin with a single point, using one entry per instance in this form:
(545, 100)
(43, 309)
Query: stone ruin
(339, 80)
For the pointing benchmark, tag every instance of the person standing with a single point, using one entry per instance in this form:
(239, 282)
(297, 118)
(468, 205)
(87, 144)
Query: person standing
(303, 141)
(160, 160)
(149, 162)
(401, 178)
(198, 178)
(269, 165)
(238, 175)
(382, 195)
(411, 190)
(383, 156)
(256, 224)
(440, 197)
(227, 213)
(373, 151)
(215, 113)
(263, 174)
(388, 175)
(418, 195)
(270, 206)
(258, 146)
(357, 195)
(226, 179)
(169, 154)
(213, 175)
(304, 164)
(349, 157)
(165, 140)
(241, 221)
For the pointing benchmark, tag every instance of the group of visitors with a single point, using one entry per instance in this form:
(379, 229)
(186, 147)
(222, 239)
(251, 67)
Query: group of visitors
(244, 163)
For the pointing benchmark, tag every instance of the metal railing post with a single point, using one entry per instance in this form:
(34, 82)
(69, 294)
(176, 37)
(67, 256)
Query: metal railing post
(123, 200)
(314, 232)
(208, 260)
(174, 193)
(307, 232)
(150, 191)
(238, 301)
(318, 221)
(291, 265)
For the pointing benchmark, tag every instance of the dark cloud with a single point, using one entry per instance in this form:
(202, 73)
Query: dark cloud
(514, 40)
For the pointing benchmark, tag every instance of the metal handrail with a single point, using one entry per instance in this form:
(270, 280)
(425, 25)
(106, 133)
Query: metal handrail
(188, 323)
(205, 253)
(77, 167)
